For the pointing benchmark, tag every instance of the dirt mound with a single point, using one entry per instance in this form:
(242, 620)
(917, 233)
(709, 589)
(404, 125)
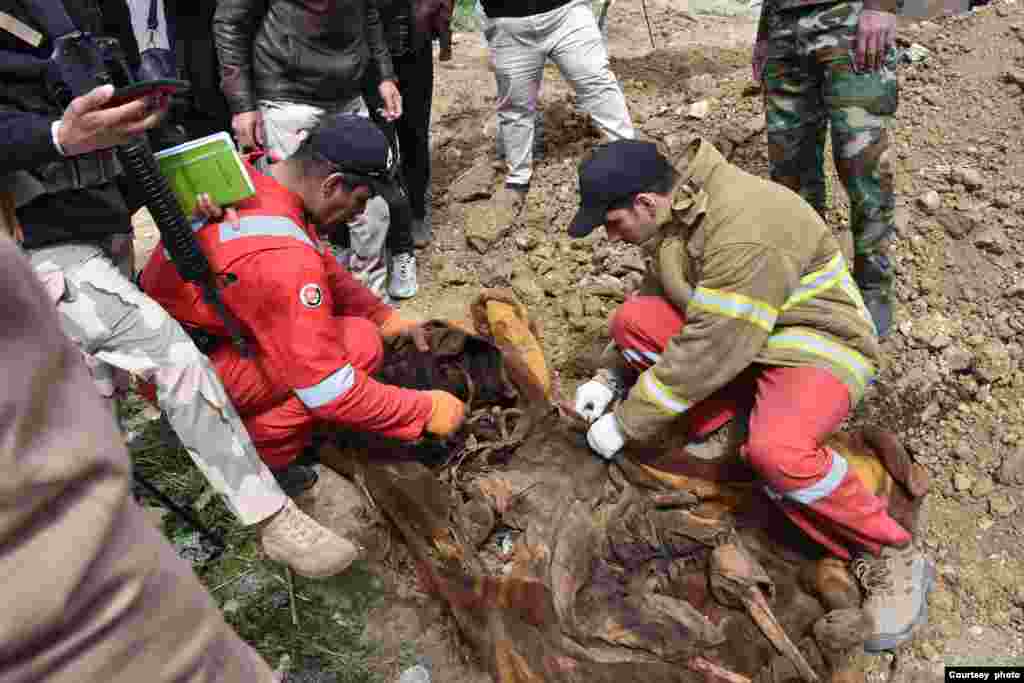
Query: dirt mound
(671, 68)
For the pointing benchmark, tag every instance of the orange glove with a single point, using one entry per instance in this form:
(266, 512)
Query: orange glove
(447, 413)
(395, 325)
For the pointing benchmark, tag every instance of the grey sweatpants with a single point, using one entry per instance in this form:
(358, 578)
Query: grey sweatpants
(114, 322)
(520, 46)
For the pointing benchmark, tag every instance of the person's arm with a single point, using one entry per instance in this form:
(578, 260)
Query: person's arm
(299, 332)
(235, 24)
(729, 318)
(29, 140)
(375, 41)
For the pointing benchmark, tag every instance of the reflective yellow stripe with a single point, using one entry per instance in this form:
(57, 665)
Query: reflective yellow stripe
(853, 291)
(660, 395)
(816, 282)
(853, 362)
(733, 305)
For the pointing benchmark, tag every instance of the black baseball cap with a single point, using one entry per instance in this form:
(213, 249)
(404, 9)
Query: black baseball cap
(356, 146)
(613, 172)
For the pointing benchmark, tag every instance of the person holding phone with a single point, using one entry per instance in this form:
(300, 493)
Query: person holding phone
(60, 166)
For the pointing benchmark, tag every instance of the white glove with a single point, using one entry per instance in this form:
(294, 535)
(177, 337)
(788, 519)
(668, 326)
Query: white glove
(605, 437)
(592, 399)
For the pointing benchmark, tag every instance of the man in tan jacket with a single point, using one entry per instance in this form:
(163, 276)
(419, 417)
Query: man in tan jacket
(747, 291)
(92, 592)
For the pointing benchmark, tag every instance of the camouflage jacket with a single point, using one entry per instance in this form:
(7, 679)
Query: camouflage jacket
(761, 280)
(771, 6)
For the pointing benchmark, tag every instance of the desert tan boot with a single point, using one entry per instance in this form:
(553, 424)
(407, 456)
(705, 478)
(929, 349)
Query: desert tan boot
(294, 538)
(897, 585)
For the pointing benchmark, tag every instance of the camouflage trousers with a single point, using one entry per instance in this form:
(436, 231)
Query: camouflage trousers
(114, 322)
(811, 82)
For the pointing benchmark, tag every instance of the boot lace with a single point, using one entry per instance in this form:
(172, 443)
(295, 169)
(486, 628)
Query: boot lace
(875, 575)
(296, 525)
(405, 266)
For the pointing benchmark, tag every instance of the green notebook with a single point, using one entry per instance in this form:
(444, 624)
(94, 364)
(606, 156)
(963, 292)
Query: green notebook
(210, 164)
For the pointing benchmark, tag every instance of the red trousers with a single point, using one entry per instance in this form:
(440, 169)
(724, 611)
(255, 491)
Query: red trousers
(794, 411)
(279, 424)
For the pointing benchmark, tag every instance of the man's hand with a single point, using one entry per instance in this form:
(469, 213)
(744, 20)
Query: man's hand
(392, 100)
(208, 210)
(447, 413)
(760, 59)
(397, 326)
(605, 436)
(89, 125)
(592, 399)
(876, 32)
(248, 127)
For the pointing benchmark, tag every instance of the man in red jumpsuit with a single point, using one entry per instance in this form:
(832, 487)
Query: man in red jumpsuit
(315, 331)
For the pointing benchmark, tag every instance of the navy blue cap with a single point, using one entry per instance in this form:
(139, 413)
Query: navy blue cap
(355, 144)
(614, 172)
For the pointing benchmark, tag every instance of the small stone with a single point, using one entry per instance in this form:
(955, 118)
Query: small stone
(527, 241)
(634, 261)
(957, 358)
(1011, 471)
(1015, 290)
(699, 110)
(968, 177)
(986, 523)
(957, 223)
(608, 286)
(933, 96)
(452, 275)
(983, 487)
(701, 84)
(930, 201)
(993, 362)
(572, 306)
(962, 481)
(1001, 505)
(991, 239)
(525, 285)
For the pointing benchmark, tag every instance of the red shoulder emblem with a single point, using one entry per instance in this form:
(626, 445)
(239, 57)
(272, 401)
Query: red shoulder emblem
(311, 295)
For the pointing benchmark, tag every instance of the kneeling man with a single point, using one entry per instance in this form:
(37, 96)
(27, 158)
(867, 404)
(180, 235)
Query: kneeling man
(747, 286)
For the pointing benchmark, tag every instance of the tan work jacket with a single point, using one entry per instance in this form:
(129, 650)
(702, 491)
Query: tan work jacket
(760, 278)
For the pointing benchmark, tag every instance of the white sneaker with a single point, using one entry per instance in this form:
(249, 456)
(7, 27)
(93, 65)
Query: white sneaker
(402, 283)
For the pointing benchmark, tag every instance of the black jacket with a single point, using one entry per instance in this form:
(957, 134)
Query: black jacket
(26, 113)
(309, 51)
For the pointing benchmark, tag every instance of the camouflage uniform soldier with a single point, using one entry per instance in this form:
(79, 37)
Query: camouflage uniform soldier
(825, 62)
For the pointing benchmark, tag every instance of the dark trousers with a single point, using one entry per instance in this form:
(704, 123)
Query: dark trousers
(415, 71)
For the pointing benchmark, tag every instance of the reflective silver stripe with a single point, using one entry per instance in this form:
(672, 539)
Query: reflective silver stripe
(823, 488)
(641, 357)
(332, 387)
(264, 226)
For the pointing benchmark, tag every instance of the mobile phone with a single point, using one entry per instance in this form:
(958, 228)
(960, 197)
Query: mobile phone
(135, 91)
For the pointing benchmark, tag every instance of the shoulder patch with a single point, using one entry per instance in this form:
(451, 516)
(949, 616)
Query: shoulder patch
(311, 295)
